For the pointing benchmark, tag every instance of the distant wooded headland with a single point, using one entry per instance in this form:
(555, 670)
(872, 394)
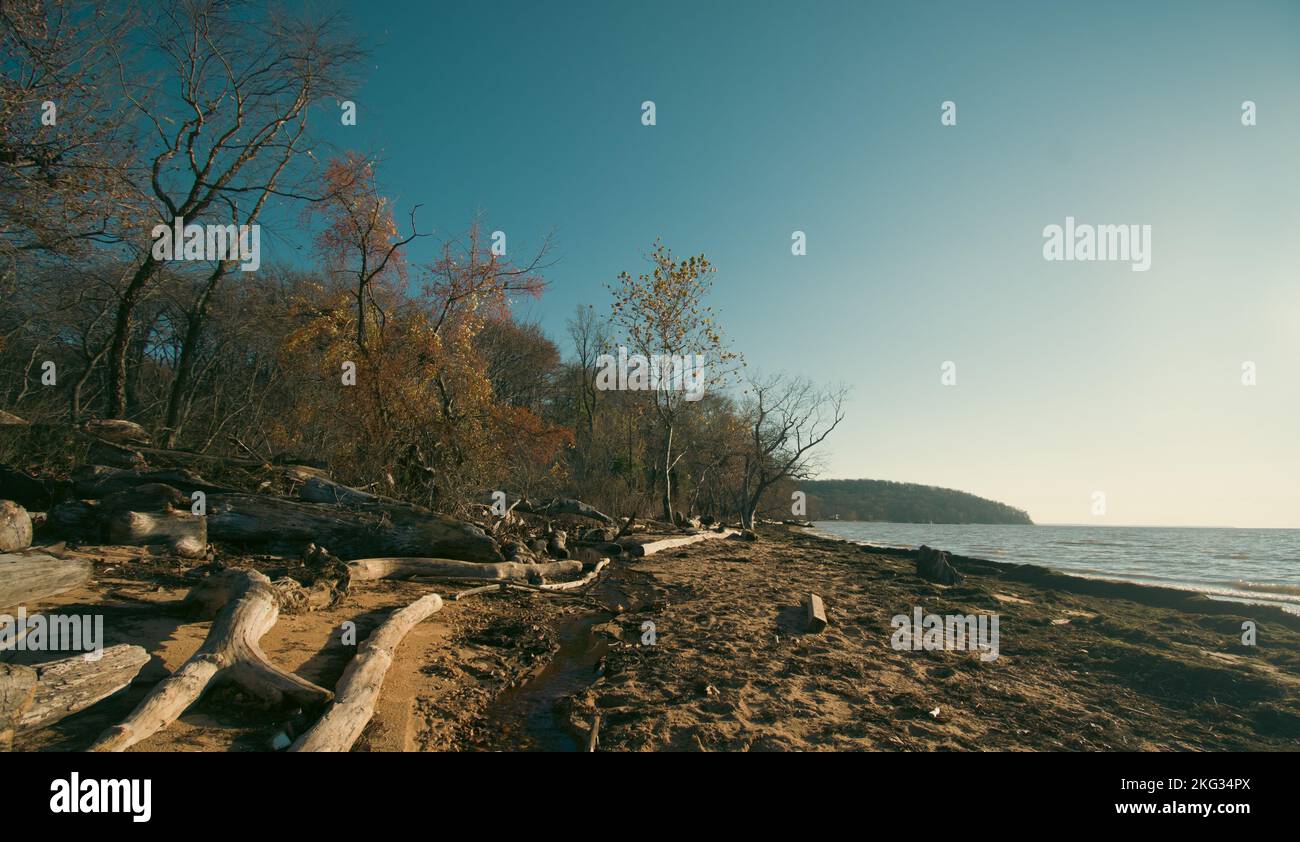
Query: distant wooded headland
(903, 502)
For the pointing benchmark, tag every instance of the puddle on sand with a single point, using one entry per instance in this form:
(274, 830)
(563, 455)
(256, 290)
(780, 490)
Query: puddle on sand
(525, 717)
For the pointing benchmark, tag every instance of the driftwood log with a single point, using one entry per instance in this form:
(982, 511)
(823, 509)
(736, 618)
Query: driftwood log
(99, 481)
(587, 579)
(15, 527)
(231, 652)
(638, 547)
(17, 691)
(68, 685)
(370, 530)
(401, 568)
(358, 689)
(181, 532)
(32, 576)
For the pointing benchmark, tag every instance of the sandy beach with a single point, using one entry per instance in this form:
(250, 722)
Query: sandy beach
(1082, 665)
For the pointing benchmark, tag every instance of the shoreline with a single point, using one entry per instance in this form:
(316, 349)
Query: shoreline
(1085, 664)
(1284, 602)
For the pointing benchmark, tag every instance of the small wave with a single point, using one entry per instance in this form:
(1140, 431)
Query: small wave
(1268, 587)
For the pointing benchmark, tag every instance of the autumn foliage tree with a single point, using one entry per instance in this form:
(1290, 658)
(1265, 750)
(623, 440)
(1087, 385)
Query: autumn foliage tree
(664, 312)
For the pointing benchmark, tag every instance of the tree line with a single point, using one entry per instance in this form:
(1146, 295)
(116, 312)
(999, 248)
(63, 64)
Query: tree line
(411, 378)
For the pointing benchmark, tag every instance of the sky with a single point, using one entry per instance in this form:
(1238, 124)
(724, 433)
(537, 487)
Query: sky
(924, 241)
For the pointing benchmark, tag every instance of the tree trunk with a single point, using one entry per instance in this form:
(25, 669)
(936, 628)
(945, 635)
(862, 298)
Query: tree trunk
(668, 477)
(117, 347)
(358, 690)
(231, 652)
(195, 321)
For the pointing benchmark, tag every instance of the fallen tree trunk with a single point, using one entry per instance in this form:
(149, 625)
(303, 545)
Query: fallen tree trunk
(26, 578)
(69, 685)
(636, 547)
(182, 533)
(358, 689)
(400, 568)
(323, 490)
(98, 481)
(231, 652)
(368, 530)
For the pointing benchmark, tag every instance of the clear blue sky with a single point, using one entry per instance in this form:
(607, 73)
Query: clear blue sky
(924, 241)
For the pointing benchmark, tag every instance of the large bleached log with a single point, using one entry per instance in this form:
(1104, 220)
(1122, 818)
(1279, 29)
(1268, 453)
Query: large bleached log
(358, 690)
(352, 533)
(181, 532)
(15, 527)
(637, 547)
(68, 685)
(401, 568)
(231, 652)
(25, 578)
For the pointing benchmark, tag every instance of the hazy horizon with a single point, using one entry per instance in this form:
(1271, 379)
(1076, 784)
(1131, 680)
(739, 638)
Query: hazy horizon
(924, 242)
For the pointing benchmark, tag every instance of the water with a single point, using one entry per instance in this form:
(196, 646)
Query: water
(1257, 566)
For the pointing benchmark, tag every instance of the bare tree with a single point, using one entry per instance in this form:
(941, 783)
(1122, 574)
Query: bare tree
(785, 418)
(65, 141)
(225, 121)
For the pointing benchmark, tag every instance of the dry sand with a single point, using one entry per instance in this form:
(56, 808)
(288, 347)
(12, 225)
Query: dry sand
(1082, 666)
